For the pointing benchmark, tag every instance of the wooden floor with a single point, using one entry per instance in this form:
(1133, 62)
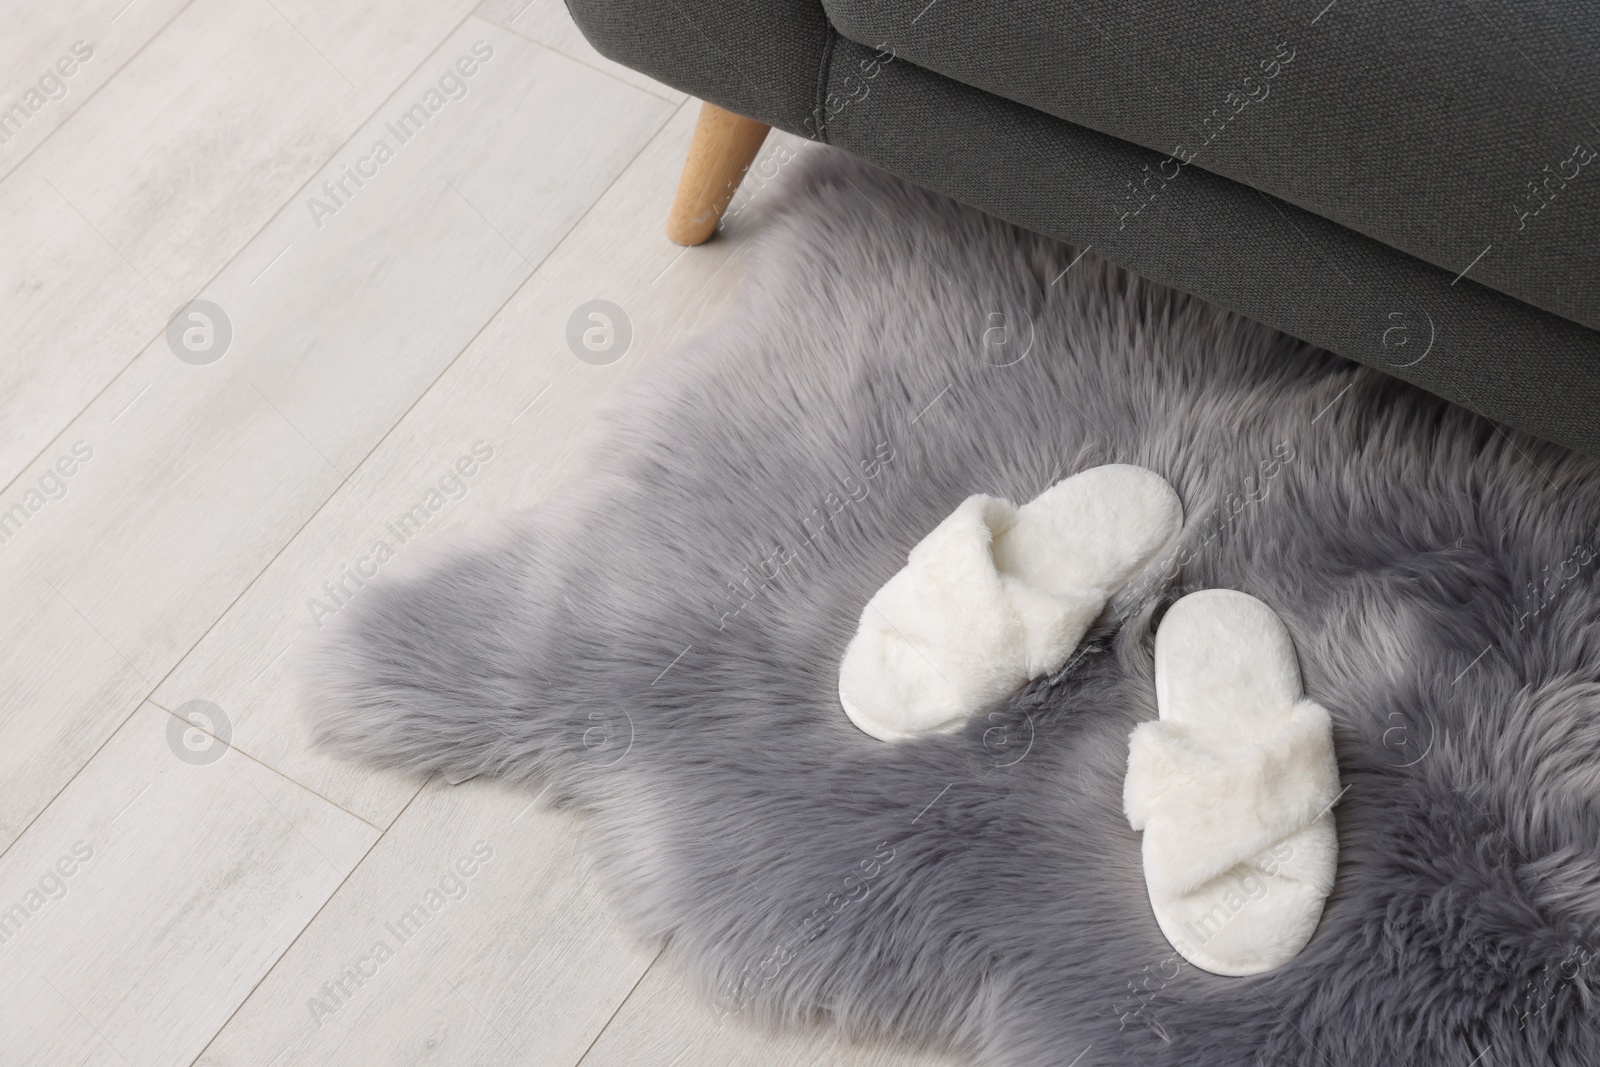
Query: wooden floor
(170, 527)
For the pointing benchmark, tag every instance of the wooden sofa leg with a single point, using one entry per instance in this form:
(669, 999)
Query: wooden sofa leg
(723, 148)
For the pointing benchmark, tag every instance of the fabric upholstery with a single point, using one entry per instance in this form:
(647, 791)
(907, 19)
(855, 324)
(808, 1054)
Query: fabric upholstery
(783, 63)
(1419, 125)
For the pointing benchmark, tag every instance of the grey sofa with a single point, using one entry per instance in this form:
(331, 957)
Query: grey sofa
(1415, 187)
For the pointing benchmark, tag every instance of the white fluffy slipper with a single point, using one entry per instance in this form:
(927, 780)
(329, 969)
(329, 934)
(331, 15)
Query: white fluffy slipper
(997, 595)
(1234, 788)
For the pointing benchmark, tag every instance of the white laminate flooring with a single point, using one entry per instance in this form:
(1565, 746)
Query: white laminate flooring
(165, 524)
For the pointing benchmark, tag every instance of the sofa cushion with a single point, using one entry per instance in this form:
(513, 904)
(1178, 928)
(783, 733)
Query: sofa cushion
(1225, 242)
(1464, 134)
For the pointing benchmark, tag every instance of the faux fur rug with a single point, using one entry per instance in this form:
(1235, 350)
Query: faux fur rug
(660, 642)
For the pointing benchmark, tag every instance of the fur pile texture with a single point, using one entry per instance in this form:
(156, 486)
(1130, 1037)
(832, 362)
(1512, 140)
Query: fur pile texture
(660, 643)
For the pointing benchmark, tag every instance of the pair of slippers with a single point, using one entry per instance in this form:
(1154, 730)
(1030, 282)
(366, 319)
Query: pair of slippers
(1233, 786)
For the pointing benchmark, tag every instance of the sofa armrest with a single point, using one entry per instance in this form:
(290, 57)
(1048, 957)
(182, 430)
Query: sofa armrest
(761, 58)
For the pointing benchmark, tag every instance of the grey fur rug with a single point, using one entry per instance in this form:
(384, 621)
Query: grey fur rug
(660, 642)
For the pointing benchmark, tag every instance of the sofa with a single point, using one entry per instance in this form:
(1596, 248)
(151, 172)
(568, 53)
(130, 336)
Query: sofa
(1416, 188)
